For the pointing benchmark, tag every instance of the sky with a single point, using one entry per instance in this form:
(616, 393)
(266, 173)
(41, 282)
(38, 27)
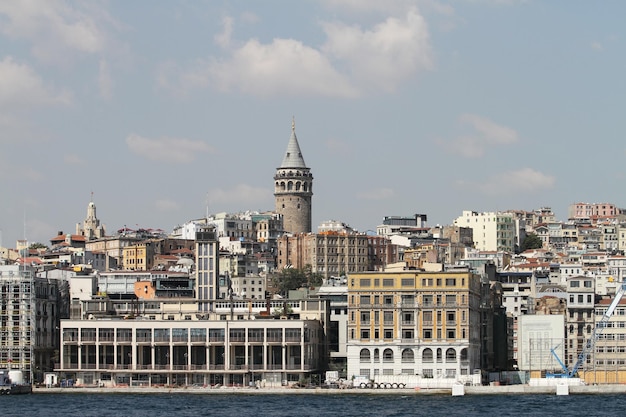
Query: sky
(163, 110)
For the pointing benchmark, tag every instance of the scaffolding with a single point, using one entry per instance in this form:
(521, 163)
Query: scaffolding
(17, 308)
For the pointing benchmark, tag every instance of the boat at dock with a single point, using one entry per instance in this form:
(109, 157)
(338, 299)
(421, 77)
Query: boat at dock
(12, 383)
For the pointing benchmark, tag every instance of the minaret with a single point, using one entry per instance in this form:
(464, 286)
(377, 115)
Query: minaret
(293, 188)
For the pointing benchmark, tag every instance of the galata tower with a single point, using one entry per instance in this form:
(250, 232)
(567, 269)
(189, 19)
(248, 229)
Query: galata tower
(293, 188)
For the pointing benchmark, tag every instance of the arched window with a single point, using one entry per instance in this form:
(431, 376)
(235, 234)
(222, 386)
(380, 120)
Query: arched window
(376, 355)
(298, 186)
(408, 356)
(388, 355)
(439, 355)
(427, 355)
(304, 186)
(450, 355)
(282, 186)
(289, 186)
(365, 356)
(464, 354)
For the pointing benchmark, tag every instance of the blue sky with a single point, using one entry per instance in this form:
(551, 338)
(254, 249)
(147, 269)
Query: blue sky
(401, 107)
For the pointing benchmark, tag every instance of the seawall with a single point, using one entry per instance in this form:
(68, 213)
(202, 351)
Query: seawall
(469, 390)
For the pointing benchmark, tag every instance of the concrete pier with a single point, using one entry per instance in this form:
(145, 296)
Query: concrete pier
(468, 390)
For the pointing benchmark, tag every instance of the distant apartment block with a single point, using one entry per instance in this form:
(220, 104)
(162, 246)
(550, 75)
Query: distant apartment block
(592, 211)
(492, 231)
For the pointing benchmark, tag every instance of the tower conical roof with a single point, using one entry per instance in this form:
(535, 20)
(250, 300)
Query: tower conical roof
(293, 157)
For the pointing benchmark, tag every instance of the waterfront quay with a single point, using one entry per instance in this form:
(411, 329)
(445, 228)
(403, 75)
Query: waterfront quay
(601, 389)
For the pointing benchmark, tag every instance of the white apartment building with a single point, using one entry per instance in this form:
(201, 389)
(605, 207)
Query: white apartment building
(492, 231)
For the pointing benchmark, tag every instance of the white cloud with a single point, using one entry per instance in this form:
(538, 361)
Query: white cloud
(485, 134)
(376, 194)
(525, 180)
(385, 56)
(243, 194)
(22, 87)
(55, 27)
(167, 149)
(223, 39)
(73, 159)
(597, 46)
(283, 67)
(105, 81)
(351, 62)
(491, 132)
(167, 205)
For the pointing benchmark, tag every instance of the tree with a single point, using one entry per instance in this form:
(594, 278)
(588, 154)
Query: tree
(37, 245)
(531, 241)
(293, 278)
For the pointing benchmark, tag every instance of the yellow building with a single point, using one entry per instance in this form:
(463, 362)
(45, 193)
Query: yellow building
(413, 323)
(138, 257)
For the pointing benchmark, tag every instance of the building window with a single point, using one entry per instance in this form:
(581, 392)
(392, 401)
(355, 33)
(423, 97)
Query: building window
(365, 334)
(428, 333)
(388, 333)
(408, 356)
(365, 317)
(451, 317)
(427, 317)
(388, 355)
(388, 317)
(408, 282)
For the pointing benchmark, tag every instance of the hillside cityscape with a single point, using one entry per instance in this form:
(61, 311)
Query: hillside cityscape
(265, 299)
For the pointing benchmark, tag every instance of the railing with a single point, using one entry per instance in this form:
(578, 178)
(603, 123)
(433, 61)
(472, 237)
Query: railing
(256, 339)
(179, 339)
(274, 339)
(237, 338)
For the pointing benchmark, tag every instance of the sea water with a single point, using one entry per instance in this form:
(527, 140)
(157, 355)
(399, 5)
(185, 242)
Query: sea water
(318, 405)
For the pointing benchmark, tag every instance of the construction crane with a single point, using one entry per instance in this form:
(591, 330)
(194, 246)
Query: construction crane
(591, 342)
